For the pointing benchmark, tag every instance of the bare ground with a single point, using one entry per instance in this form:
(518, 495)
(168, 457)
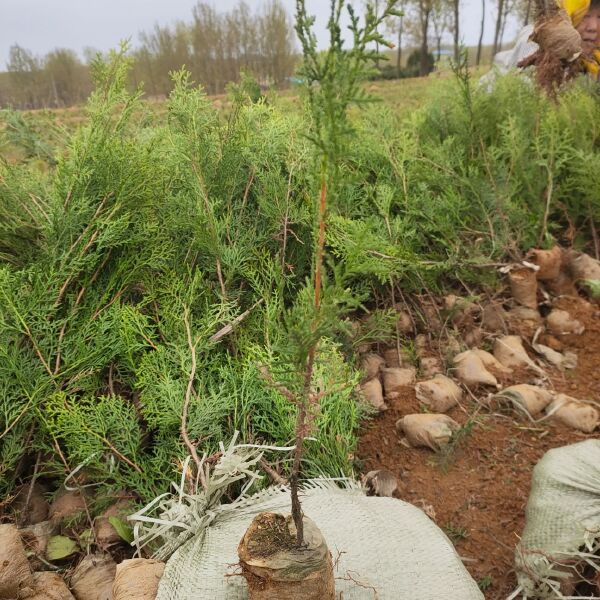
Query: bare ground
(478, 493)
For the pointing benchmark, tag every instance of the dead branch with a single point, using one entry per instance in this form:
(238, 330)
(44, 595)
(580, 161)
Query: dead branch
(266, 375)
(272, 473)
(31, 484)
(350, 577)
(229, 328)
(186, 404)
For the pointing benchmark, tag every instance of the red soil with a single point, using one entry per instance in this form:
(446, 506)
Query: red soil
(479, 497)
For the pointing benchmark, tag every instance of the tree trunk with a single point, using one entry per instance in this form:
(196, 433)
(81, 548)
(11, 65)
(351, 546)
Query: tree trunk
(377, 43)
(456, 30)
(55, 93)
(478, 60)
(399, 54)
(504, 19)
(498, 28)
(439, 47)
(527, 14)
(424, 64)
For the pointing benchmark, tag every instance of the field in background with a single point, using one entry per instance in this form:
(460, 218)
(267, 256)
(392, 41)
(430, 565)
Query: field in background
(53, 125)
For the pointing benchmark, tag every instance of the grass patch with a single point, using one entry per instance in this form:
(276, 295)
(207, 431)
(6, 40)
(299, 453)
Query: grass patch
(456, 533)
(447, 455)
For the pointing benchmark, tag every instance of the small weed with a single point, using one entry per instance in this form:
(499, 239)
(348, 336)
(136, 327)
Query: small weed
(593, 287)
(378, 327)
(512, 447)
(485, 583)
(456, 533)
(447, 455)
(410, 350)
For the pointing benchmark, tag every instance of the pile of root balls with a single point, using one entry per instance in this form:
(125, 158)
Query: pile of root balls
(46, 538)
(523, 334)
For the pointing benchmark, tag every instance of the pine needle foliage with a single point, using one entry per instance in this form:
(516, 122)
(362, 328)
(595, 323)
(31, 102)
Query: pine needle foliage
(139, 218)
(137, 225)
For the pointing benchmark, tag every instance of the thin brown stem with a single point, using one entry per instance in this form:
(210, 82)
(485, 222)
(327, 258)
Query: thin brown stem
(594, 232)
(397, 322)
(220, 277)
(77, 301)
(286, 222)
(111, 387)
(17, 418)
(272, 473)
(88, 245)
(321, 244)
(113, 300)
(247, 191)
(120, 455)
(266, 375)
(229, 328)
(31, 484)
(211, 223)
(186, 404)
(301, 419)
(549, 191)
(38, 203)
(37, 350)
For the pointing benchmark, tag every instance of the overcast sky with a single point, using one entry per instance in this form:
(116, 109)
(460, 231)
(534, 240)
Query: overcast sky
(41, 25)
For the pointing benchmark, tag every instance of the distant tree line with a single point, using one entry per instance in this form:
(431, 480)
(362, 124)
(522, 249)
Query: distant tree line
(215, 46)
(58, 79)
(427, 24)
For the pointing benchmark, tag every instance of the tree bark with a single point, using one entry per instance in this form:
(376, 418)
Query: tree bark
(527, 14)
(425, 14)
(504, 19)
(456, 30)
(377, 43)
(399, 54)
(498, 28)
(478, 60)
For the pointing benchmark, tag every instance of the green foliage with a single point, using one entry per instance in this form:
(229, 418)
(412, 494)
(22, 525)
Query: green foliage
(447, 455)
(60, 547)
(266, 415)
(21, 133)
(456, 533)
(413, 64)
(485, 582)
(248, 89)
(143, 220)
(593, 287)
(122, 528)
(333, 77)
(139, 226)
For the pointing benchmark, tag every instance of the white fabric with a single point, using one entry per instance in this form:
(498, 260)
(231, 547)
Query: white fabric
(509, 59)
(562, 518)
(377, 544)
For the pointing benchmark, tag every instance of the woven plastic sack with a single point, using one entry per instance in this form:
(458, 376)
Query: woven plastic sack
(562, 528)
(382, 548)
